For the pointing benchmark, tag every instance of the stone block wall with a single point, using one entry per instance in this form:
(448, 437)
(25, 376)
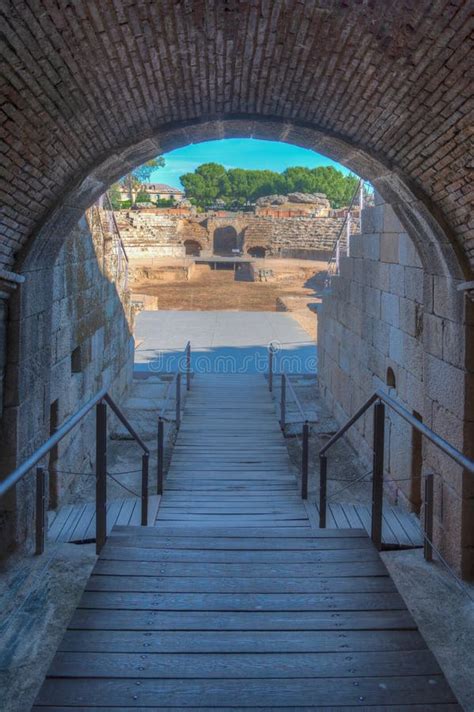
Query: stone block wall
(389, 324)
(285, 236)
(148, 235)
(69, 333)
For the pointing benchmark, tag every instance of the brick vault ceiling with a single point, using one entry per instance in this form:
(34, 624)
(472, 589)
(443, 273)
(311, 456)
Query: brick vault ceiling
(79, 79)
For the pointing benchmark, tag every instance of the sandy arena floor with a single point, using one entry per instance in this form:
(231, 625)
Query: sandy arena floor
(208, 290)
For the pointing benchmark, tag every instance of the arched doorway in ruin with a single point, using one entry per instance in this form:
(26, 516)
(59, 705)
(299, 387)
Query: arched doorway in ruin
(192, 248)
(226, 241)
(75, 166)
(441, 265)
(257, 251)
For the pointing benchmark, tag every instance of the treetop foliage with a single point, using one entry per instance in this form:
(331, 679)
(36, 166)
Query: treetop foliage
(238, 187)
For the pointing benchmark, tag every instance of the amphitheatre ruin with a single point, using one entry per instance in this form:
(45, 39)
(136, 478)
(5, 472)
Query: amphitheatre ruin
(237, 428)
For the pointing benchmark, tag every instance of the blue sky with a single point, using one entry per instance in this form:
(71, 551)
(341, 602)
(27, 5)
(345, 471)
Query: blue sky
(238, 153)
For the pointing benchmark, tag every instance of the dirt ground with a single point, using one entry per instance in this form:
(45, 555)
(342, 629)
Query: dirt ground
(294, 284)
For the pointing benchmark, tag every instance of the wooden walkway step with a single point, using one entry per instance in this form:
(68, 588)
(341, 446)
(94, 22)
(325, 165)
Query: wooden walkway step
(399, 528)
(255, 619)
(76, 523)
(234, 600)
(230, 465)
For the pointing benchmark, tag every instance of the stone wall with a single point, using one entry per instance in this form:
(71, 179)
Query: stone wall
(293, 236)
(69, 333)
(163, 235)
(388, 324)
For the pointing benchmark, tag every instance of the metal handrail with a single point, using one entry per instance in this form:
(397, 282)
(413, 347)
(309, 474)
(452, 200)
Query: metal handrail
(161, 416)
(285, 379)
(332, 259)
(126, 424)
(436, 439)
(164, 407)
(176, 377)
(349, 423)
(379, 399)
(109, 203)
(100, 400)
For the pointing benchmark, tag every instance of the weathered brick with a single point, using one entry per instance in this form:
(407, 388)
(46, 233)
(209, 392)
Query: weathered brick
(55, 128)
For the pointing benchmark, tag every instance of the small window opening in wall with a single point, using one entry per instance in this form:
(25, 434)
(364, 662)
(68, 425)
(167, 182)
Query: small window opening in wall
(76, 360)
(391, 380)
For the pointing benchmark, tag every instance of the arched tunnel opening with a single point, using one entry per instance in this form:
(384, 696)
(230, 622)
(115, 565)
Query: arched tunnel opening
(226, 241)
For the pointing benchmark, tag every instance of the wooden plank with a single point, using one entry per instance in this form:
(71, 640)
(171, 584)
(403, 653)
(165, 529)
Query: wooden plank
(76, 523)
(151, 568)
(80, 530)
(90, 619)
(73, 519)
(226, 519)
(167, 530)
(263, 543)
(432, 707)
(59, 522)
(276, 692)
(245, 666)
(204, 584)
(238, 523)
(253, 641)
(394, 532)
(232, 556)
(126, 600)
(410, 527)
(123, 517)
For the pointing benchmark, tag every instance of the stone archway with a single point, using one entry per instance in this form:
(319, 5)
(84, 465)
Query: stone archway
(226, 242)
(408, 135)
(192, 248)
(257, 251)
(66, 144)
(434, 239)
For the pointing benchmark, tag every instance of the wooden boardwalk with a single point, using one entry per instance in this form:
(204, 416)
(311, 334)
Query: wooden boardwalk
(230, 463)
(76, 523)
(400, 530)
(234, 600)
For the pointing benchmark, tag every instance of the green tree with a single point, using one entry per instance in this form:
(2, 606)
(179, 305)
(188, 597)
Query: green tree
(133, 180)
(114, 196)
(165, 202)
(208, 183)
(239, 187)
(142, 197)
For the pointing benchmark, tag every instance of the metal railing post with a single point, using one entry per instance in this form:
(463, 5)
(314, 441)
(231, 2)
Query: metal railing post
(40, 509)
(178, 400)
(283, 402)
(270, 369)
(428, 518)
(188, 366)
(160, 456)
(101, 476)
(377, 479)
(304, 461)
(144, 503)
(323, 488)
